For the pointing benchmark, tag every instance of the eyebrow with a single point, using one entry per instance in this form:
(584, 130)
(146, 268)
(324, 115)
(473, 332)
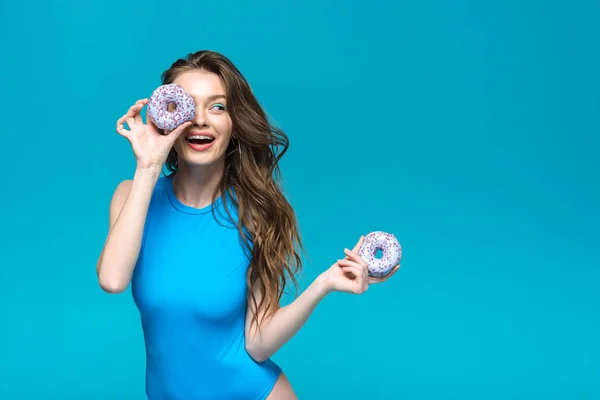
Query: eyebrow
(216, 96)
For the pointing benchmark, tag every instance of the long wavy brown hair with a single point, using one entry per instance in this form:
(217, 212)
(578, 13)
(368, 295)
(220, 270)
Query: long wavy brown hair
(252, 181)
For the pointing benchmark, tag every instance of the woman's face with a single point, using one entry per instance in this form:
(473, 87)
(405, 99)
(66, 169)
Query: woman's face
(206, 140)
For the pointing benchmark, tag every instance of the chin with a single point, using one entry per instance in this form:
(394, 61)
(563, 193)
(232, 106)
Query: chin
(198, 158)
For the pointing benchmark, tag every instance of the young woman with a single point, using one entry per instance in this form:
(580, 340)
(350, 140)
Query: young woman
(210, 247)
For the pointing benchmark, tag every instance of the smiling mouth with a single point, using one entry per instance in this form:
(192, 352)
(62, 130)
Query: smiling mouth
(199, 139)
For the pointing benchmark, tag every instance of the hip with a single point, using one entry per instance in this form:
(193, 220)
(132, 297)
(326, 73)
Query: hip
(282, 390)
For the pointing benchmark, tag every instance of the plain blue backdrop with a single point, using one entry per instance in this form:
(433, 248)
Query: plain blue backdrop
(468, 129)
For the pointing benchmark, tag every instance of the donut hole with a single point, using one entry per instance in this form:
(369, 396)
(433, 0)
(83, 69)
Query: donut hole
(378, 253)
(171, 107)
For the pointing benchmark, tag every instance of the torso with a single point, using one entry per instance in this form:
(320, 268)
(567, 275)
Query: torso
(190, 288)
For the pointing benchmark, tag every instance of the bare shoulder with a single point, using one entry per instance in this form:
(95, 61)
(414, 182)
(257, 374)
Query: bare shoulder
(121, 192)
(123, 187)
(118, 199)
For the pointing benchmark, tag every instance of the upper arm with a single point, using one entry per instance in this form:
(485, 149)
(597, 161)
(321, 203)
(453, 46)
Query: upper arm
(250, 325)
(251, 311)
(116, 205)
(258, 345)
(118, 200)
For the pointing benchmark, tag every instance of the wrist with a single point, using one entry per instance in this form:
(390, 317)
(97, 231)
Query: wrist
(323, 285)
(148, 170)
(145, 176)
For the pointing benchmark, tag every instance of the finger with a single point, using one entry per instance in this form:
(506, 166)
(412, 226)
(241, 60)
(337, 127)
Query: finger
(382, 279)
(175, 133)
(123, 132)
(130, 118)
(130, 122)
(350, 263)
(358, 270)
(373, 280)
(121, 127)
(357, 246)
(350, 272)
(354, 256)
(138, 108)
(131, 111)
(356, 273)
(360, 281)
(134, 110)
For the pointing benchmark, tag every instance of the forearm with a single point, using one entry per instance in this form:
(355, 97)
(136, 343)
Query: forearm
(123, 243)
(286, 322)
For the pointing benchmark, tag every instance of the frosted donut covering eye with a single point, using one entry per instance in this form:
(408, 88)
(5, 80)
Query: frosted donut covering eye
(158, 104)
(390, 247)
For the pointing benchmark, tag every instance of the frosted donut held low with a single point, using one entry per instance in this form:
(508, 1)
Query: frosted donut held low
(158, 106)
(390, 247)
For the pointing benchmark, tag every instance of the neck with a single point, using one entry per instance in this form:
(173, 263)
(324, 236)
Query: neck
(194, 185)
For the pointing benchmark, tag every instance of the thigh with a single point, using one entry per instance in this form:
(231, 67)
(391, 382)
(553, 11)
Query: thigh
(282, 390)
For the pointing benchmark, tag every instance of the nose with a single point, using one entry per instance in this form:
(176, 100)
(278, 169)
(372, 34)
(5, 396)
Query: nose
(200, 118)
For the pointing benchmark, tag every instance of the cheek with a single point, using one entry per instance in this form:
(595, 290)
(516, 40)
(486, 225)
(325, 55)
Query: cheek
(223, 125)
(221, 120)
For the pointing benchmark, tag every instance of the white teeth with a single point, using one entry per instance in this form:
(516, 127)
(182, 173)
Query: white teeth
(200, 137)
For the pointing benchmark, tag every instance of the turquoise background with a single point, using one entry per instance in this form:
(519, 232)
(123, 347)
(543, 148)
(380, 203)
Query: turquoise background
(469, 129)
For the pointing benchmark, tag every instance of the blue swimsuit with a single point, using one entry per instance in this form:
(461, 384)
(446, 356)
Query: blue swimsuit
(189, 285)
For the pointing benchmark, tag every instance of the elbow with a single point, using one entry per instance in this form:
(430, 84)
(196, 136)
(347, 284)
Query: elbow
(112, 288)
(111, 285)
(258, 358)
(257, 354)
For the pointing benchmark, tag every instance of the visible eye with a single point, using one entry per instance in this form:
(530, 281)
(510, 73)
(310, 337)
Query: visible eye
(219, 107)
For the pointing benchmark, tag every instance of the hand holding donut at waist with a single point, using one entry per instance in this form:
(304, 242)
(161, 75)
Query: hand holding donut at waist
(149, 146)
(361, 267)
(391, 253)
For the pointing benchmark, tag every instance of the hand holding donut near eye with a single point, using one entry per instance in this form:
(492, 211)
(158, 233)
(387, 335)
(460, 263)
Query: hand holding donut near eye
(150, 147)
